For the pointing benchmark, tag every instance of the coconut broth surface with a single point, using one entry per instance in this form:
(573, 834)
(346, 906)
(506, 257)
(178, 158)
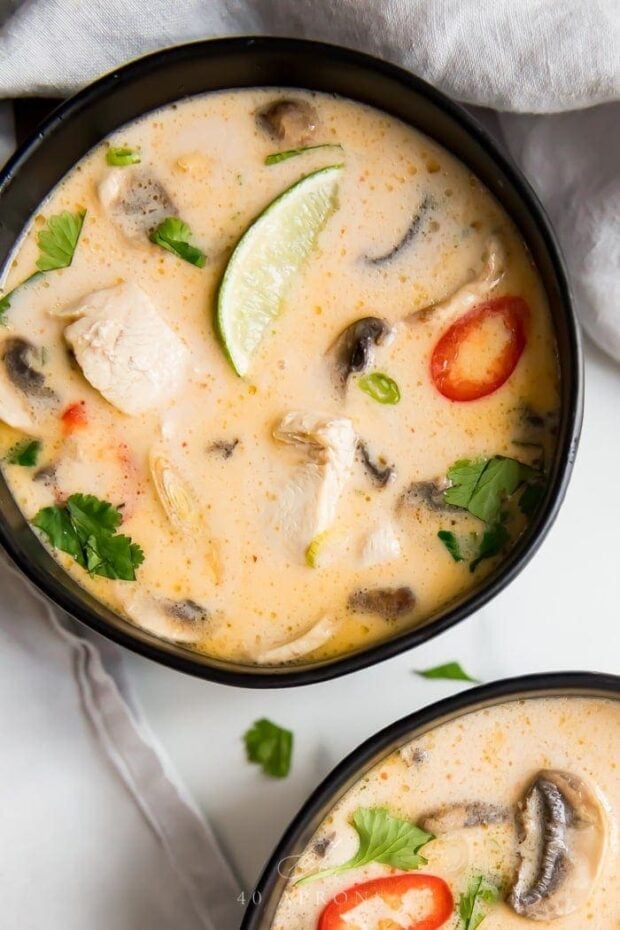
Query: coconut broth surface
(490, 755)
(209, 153)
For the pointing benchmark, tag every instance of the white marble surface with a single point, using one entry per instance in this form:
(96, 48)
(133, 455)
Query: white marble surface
(561, 613)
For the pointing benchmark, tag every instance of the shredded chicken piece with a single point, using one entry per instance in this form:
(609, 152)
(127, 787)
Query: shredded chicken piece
(379, 546)
(473, 291)
(307, 505)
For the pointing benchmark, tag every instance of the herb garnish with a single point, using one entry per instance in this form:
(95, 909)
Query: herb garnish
(174, 235)
(24, 453)
(57, 244)
(382, 838)
(122, 156)
(480, 485)
(380, 387)
(452, 544)
(270, 746)
(276, 157)
(470, 904)
(452, 671)
(493, 541)
(85, 527)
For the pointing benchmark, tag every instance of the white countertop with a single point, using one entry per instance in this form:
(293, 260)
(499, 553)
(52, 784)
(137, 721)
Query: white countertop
(561, 613)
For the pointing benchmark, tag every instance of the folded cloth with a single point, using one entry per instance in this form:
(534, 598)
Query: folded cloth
(97, 832)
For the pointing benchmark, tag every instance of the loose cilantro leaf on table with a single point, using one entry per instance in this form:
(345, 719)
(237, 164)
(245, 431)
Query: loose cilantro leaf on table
(481, 485)
(25, 453)
(452, 544)
(58, 240)
(121, 156)
(270, 746)
(85, 527)
(453, 671)
(382, 838)
(174, 235)
(470, 905)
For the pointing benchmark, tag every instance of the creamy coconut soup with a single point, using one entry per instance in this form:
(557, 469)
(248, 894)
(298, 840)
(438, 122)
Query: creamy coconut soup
(278, 377)
(506, 816)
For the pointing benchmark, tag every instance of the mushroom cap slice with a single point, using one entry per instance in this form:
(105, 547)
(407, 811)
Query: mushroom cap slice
(180, 621)
(300, 646)
(463, 815)
(562, 843)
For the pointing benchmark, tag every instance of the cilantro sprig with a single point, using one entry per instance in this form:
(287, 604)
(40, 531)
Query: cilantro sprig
(173, 235)
(24, 453)
(470, 906)
(86, 528)
(270, 746)
(382, 838)
(57, 243)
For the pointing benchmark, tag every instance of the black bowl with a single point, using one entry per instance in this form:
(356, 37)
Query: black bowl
(264, 899)
(158, 79)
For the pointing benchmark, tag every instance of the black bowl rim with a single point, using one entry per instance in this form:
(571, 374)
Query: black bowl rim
(237, 674)
(549, 684)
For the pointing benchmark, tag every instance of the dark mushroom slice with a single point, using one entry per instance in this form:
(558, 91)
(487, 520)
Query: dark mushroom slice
(388, 603)
(182, 621)
(20, 358)
(562, 834)
(46, 475)
(380, 473)
(414, 755)
(412, 231)
(292, 122)
(223, 447)
(461, 816)
(321, 846)
(428, 494)
(136, 201)
(354, 347)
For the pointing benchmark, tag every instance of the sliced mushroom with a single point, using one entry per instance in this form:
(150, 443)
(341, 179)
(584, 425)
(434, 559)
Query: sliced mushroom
(414, 755)
(182, 621)
(175, 494)
(135, 200)
(312, 639)
(292, 122)
(562, 842)
(427, 494)
(410, 234)
(473, 291)
(223, 447)
(354, 347)
(13, 407)
(463, 815)
(20, 358)
(388, 603)
(380, 473)
(320, 846)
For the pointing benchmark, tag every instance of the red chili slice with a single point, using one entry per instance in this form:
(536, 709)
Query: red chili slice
(513, 312)
(74, 417)
(440, 910)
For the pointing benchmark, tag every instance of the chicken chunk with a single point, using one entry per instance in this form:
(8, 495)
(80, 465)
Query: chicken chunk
(125, 350)
(135, 201)
(14, 410)
(307, 506)
(379, 546)
(473, 291)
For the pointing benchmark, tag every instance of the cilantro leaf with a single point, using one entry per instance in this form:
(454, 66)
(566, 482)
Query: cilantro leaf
(493, 541)
(58, 240)
(277, 157)
(452, 544)
(24, 453)
(470, 911)
(270, 746)
(121, 156)
(382, 838)
(85, 527)
(452, 671)
(173, 234)
(481, 485)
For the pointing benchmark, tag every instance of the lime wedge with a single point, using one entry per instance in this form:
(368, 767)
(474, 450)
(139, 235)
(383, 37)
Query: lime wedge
(267, 258)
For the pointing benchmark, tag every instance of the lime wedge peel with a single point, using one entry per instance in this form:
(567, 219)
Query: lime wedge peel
(266, 259)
